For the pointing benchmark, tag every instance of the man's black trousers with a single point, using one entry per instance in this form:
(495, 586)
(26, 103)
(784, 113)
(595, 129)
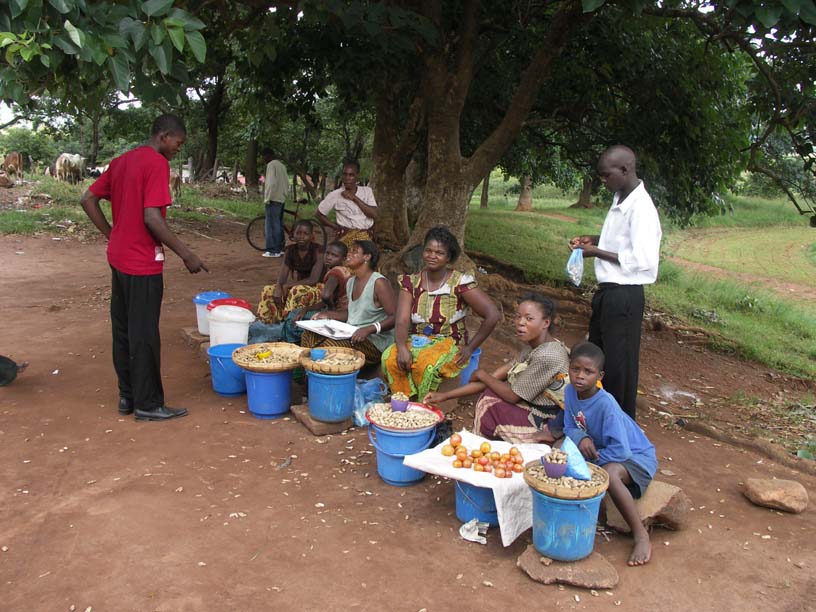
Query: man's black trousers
(135, 309)
(617, 314)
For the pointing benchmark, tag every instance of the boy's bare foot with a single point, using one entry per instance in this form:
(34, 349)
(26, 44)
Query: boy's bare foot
(641, 551)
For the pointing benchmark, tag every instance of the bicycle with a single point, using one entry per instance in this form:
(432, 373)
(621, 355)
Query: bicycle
(256, 229)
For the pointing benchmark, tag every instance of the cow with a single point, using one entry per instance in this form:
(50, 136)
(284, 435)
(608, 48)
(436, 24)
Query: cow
(175, 184)
(97, 171)
(13, 165)
(70, 167)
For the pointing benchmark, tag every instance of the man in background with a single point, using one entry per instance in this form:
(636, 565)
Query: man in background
(276, 184)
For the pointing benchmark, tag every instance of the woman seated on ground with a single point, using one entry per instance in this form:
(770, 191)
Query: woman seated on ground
(520, 397)
(371, 307)
(433, 304)
(300, 272)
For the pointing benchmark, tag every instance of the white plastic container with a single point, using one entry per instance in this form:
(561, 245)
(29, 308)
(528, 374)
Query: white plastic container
(229, 325)
(201, 300)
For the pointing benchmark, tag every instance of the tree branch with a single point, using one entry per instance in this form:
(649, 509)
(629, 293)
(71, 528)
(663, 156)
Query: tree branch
(11, 122)
(568, 17)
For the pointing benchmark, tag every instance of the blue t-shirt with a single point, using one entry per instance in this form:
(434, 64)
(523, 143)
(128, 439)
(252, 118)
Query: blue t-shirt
(615, 434)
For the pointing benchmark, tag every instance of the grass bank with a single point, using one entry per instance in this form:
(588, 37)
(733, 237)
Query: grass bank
(742, 319)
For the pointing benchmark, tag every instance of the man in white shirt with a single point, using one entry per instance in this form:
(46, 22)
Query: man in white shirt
(626, 255)
(276, 184)
(355, 208)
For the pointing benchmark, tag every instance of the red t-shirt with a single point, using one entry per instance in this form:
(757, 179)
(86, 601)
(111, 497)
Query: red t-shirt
(134, 181)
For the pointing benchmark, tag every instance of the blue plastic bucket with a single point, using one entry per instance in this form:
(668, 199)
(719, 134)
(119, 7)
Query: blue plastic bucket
(474, 502)
(473, 364)
(227, 378)
(564, 529)
(269, 395)
(392, 446)
(331, 396)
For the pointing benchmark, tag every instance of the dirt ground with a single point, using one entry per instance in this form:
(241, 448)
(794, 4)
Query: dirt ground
(203, 513)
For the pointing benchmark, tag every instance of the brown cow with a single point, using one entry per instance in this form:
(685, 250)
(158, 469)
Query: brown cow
(13, 165)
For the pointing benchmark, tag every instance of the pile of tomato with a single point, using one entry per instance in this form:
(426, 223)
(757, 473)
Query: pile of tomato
(484, 458)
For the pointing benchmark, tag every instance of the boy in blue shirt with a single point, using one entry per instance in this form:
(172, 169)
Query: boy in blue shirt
(609, 437)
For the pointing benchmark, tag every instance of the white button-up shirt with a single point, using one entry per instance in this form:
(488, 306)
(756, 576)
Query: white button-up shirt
(347, 213)
(632, 230)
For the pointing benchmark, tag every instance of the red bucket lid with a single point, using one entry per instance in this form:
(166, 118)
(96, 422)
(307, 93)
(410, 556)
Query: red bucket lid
(229, 302)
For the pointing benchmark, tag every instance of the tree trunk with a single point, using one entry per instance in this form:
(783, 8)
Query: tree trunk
(251, 164)
(235, 172)
(213, 107)
(294, 187)
(585, 198)
(95, 119)
(525, 201)
(485, 190)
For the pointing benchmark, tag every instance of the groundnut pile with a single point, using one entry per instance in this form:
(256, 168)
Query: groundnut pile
(339, 359)
(556, 456)
(537, 472)
(281, 356)
(399, 396)
(410, 419)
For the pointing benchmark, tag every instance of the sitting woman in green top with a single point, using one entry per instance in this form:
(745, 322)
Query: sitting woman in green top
(371, 306)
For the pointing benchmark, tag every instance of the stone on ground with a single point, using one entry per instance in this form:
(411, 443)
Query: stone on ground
(594, 572)
(663, 504)
(318, 428)
(786, 495)
(192, 337)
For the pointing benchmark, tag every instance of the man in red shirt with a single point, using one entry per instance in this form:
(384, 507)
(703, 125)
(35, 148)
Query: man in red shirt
(137, 185)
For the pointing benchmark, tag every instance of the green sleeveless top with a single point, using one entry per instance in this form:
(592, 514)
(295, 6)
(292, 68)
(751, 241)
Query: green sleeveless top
(363, 311)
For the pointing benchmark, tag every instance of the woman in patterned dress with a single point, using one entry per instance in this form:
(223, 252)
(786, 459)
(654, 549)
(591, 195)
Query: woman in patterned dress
(520, 397)
(433, 304)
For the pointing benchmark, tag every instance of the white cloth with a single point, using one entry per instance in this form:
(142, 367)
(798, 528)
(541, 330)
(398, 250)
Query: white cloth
(514, 502)
(347, 213)
(632, 230)
(276, 182)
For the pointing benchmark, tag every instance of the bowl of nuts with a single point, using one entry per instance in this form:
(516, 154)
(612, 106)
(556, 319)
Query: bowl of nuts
(555, 463)
(399, 402)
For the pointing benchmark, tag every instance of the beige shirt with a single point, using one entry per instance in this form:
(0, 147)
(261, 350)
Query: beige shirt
(276, 182)
(347, 213)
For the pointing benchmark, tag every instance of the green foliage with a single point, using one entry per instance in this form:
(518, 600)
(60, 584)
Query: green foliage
(68, 47)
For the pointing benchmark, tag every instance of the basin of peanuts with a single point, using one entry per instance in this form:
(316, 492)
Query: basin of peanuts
(416, 417)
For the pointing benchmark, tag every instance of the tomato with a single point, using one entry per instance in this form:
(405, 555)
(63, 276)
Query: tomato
(455, 440)
(499, 473)
(495, 455)
(457, 463)
(518, 468)
(518, 460)
(461, 453)
(467, 463)
(475, 453)
(483, 460)
(513, 451)
(478, 467)
(505, 457)
(485, 447)
(488, 468)
(447, 450)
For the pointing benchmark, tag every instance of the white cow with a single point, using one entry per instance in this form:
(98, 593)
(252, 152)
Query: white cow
(70, 167)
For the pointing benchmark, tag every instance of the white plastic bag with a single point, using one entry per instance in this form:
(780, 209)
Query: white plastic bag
(575, 266)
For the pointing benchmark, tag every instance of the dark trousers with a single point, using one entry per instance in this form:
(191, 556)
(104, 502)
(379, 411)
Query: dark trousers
(274, 227)
(617, 314)
(135, 309)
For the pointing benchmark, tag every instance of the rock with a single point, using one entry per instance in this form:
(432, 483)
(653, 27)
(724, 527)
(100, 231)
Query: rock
(663, 504)
(318, 428)
(786, 495)
(594, 572)
(192, 337)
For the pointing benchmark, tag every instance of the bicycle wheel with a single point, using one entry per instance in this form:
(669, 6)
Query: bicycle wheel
(256, 233)
(320, 236)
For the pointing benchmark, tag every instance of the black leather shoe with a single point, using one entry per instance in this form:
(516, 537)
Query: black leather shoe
(125, 406)
(162, 413)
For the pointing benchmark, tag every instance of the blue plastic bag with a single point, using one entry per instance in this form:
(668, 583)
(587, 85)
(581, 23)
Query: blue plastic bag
(575, 266)
(366, 392)
(576, 464)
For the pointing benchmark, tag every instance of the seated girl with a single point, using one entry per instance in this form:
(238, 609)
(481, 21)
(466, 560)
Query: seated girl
(434, 303)
(300, 272)
(520, 396)
(371, 307)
